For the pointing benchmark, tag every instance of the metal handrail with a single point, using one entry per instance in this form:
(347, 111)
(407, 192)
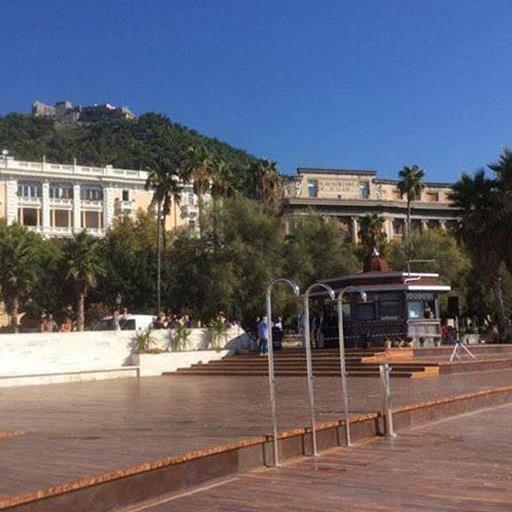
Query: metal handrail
(309, 363)
(271, 374)
(343, 373)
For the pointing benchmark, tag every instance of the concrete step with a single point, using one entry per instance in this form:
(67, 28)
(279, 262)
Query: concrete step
(286, 373)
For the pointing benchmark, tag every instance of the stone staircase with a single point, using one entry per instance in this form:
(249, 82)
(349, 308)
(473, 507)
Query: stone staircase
(326, 363)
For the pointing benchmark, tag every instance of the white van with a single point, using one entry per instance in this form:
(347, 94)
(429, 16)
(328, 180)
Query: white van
(127, 323)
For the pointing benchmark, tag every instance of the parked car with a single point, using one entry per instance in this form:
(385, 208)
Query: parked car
(128, 323)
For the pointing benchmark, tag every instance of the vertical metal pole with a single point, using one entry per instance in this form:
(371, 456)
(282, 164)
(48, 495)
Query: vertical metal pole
(159, 260)
(384, 371)
(343, 372)
(271, 377)
(309, 366)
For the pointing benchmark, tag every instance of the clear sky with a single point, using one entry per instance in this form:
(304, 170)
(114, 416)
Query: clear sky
(351, 84)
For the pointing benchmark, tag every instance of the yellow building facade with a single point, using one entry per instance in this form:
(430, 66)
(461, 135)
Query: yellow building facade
(344, 196)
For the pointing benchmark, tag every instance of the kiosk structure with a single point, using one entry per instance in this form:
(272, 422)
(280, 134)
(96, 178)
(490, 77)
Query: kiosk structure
(400, 306)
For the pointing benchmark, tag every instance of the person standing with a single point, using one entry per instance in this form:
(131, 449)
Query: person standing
(277, 334)
(263, 336)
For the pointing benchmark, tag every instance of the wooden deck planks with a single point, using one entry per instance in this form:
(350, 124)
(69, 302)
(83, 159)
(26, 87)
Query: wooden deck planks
(458, 465)
(85, 429)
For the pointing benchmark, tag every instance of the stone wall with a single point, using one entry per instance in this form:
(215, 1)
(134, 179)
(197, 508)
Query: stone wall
(39, 354)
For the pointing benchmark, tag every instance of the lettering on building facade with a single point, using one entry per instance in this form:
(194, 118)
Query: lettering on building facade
(341, 187)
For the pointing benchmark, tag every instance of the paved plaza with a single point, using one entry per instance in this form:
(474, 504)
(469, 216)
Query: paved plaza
(89, 428)
(461, 464)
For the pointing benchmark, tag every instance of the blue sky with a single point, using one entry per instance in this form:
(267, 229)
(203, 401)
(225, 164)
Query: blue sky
(351, 84)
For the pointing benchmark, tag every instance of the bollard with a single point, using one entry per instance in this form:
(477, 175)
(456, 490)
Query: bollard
(385, 370)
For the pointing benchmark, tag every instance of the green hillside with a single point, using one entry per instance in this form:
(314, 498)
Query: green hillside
(148, 141)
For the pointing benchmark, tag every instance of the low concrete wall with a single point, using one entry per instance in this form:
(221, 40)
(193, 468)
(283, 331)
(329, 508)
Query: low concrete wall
(156, 364)
(81, 355)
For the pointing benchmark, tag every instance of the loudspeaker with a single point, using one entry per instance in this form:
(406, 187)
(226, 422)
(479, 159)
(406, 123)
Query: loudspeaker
(453, 307)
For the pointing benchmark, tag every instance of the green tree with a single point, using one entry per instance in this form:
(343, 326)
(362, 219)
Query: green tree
(19, 254)
(130, 250)
(199, 168)
(503, 172)
(315, 250)
(84, 265)
(478, 199)
(410, 185)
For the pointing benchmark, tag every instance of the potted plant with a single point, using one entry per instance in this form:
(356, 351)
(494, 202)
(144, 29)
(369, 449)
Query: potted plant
(179, 338)
(218, 331)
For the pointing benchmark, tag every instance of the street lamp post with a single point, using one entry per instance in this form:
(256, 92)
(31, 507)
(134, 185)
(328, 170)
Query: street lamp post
(343, 373)
(309, 362)
(271, 374)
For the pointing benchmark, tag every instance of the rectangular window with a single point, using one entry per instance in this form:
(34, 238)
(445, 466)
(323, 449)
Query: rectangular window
(312, 188)
(126, 195)
(364, 190)
(398, 227)
(61, 218)
(415, 309)
(30, 190)
(91, 193)
(389, 310)
(92, 220)
(432, 197)
(61, 191)
(365, 311)
(29, 216)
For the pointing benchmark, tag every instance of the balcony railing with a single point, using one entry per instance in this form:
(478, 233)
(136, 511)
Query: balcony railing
(94, 203)
(123, 207)
(69, 169)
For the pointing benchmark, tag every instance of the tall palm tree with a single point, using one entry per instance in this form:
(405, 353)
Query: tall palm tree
(167, 189)
(480, 229)
(199, 168)
(372, 234)
(83, 260)
(19, 257)
(410, 185)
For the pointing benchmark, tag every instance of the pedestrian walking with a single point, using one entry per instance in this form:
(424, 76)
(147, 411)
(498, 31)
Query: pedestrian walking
(263, 336)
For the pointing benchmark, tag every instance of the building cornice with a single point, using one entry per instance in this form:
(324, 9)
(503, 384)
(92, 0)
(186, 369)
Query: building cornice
(46, 170)
(369, 203)
(341, 172)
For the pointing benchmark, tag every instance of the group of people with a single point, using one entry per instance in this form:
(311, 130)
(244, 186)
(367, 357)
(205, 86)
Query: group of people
(165, 321)
(262, 333)
(48, 323)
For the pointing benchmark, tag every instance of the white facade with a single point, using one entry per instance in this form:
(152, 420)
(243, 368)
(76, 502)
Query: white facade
(59, 200)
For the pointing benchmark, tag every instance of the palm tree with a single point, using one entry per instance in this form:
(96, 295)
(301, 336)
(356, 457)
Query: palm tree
(19, 256)
(222, 180)
(167, 188)
(82, 256)
(481, 231)
(269, 183)
(199, 168)
(410, 185)
(372, 234)
(503, 171)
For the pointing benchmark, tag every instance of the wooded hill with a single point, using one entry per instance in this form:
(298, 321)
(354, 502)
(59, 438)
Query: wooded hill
(150, 141)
